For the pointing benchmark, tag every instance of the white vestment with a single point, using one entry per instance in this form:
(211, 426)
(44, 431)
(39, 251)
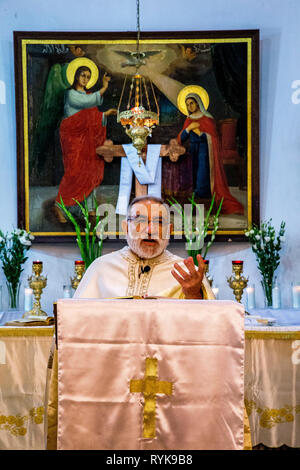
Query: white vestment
(122, 274)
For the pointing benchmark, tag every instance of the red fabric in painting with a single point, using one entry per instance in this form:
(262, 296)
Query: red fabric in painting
(80, 135)
(230, 204)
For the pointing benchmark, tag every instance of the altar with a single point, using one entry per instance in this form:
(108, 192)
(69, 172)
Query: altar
(272, 378)
(272, 388)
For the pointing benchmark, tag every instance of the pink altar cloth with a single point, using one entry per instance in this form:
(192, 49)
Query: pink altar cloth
(196, 354)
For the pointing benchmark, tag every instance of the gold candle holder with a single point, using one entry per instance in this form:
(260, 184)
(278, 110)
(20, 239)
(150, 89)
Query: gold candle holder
(237, 282)
(79, 272)
(37, 284)
(206, 269)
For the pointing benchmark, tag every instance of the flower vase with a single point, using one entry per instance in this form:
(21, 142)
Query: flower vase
(13, 295)
(267, 289)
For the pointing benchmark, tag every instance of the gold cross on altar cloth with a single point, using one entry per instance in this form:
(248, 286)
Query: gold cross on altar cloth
(150, 386)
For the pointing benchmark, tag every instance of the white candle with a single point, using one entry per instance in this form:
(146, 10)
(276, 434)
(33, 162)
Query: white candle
(250, 294)
(215, 291)
(0, 298)
(296, 295)
(67, 292)
(27, 299)
(276, 296)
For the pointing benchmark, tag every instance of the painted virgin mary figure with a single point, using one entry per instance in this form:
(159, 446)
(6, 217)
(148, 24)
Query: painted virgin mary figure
(200, 129)
(82, 130)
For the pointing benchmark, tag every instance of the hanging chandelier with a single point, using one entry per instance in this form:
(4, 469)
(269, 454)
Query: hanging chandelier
(138, 119)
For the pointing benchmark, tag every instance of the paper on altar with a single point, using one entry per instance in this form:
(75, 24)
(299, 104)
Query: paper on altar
(103, 345)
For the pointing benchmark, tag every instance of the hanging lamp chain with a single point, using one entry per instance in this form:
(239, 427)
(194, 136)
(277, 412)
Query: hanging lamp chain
(138, 26)
(137, 121)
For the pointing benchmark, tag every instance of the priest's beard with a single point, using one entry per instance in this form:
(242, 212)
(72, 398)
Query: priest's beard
(141, 249)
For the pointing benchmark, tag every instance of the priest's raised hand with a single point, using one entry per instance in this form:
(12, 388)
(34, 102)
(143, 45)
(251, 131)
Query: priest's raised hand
(190, 279)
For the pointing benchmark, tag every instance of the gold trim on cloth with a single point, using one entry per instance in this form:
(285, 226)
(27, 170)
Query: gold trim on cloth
(150, 386)
(247, 431)
(25, 42)
(270, 417)
(15, 424)
(272, 335)
(26, 331)
(51, 404)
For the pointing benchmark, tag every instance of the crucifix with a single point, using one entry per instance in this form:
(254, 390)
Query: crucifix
(150, 386)
(108, 151)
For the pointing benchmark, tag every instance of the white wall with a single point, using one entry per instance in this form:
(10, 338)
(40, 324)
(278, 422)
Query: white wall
(279, 116)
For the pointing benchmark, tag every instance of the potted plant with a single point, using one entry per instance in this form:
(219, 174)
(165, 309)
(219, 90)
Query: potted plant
(266, 245)
(13, 249)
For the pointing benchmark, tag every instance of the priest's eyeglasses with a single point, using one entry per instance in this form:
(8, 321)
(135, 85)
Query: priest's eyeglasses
(143, 221)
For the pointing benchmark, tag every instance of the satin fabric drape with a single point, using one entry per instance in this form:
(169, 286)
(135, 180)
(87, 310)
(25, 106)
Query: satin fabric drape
(23, 364)
(272, 386)
(103, 345)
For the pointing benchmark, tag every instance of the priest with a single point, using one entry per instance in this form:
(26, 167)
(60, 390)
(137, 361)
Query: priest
(143, 268)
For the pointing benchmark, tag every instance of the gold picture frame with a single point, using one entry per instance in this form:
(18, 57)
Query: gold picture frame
(224, 63)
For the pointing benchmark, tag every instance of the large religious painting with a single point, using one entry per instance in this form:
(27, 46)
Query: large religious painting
(72, 146)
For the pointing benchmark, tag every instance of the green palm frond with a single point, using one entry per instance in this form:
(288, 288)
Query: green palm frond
(195, 234)
(90, 248)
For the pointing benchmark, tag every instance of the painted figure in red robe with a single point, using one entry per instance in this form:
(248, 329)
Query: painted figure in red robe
(82, 130)
(208, 170)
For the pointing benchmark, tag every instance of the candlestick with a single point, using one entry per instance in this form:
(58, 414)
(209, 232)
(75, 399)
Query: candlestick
(79, 272)
(37, 283)
(250, 299)
(27, 299)
(276, 301)
(237, 282)
(296, 294)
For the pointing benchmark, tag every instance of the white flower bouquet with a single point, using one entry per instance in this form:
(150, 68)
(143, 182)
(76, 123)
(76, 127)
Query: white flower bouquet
(266, 246)
(13, 249)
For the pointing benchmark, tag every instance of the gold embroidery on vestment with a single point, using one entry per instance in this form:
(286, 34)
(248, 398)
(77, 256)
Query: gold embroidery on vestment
(140, 286)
